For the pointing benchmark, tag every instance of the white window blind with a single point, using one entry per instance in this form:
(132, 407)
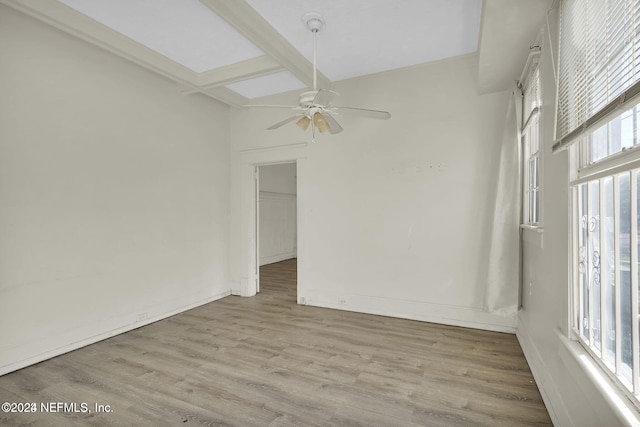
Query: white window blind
(599, 64)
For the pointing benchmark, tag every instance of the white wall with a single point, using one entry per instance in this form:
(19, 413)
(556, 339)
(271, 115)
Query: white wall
(114, 194)
(571, 397)
(394, 216)
(277, 213)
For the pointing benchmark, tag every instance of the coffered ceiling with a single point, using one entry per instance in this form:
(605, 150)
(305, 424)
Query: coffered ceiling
(239, 50)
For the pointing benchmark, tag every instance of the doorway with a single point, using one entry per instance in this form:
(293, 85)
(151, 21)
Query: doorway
(248, 262)
(276, 223)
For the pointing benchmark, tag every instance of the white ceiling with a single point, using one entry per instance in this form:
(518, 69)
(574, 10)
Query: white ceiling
(368, 36)
(238, 50)
(185, 31)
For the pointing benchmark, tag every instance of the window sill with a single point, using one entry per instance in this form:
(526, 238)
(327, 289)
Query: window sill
(573, 354)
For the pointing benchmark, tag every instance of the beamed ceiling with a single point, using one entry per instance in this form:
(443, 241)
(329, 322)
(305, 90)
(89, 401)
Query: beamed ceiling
(238, 50)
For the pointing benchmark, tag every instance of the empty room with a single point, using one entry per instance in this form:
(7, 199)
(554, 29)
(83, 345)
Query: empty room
(320, 213)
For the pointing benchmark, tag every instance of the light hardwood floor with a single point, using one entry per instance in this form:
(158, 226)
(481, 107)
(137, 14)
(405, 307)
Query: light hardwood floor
(265, 361)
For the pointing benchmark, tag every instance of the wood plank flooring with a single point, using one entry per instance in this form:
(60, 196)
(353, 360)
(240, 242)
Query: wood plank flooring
(265, 361)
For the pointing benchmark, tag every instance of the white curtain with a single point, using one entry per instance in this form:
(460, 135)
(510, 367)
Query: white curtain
(503, 279)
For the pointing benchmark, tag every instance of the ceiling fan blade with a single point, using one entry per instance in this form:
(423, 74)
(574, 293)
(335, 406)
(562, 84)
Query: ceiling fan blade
(285, 121)
(290, 107)
(373, 114)
(324, 97)
(334, 126)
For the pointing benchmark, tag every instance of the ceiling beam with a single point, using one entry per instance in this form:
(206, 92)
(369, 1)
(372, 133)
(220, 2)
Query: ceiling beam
(243, 70)
(227, 96)
(75, 23)
(240, 15)
(507, 30)
(280, 54)
(219, 93)
(81, 26)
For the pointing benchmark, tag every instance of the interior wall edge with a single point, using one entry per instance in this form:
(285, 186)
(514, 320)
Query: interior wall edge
(271, 259)
(550, 395)
(277, 195)
(466, 317)
(152, 317)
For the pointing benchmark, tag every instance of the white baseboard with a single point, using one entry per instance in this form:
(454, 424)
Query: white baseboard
(276, 258)
(414, 310)
(546, 385)
(104, 335)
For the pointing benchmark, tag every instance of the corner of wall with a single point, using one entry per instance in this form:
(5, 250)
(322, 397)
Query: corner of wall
(550, 395)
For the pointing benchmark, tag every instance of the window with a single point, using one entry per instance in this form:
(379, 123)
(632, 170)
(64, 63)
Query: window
(619, 134)
(599, 59)
(606, 248)
(531, 145)
(597, 117)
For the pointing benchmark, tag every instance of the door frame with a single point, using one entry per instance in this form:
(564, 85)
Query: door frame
(250, 160)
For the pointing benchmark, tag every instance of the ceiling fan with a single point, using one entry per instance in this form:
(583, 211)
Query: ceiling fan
(314, 107)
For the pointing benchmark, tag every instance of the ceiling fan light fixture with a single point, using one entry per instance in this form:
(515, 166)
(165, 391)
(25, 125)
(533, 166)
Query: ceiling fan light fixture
(320, 122)
(314, 106)
(303, 123)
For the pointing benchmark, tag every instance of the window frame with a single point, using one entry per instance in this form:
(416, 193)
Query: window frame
(532, 182)
(530, 143)
(597, 81)
(585, 172)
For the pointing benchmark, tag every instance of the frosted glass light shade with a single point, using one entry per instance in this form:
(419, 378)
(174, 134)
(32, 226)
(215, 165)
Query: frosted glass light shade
(320, 122)
(303, 123)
